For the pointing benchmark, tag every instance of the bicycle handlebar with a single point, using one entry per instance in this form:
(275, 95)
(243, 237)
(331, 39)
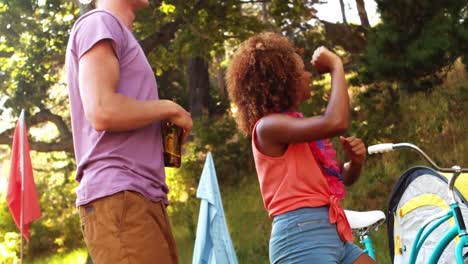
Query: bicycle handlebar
(386, 147)
(456, 170)
(380, 148)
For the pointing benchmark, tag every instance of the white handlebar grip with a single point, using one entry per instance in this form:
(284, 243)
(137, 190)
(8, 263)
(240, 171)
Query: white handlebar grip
(379, 148)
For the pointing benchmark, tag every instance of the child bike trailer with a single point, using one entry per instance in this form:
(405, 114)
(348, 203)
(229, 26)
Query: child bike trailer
(419, 194)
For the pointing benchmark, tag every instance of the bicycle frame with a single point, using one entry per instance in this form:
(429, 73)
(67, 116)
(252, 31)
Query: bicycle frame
(458, 230)
(369, 249)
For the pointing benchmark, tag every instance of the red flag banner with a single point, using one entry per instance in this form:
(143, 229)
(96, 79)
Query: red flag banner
(31, 210)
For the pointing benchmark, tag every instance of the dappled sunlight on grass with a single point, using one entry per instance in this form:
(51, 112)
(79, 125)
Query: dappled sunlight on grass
(75, 257)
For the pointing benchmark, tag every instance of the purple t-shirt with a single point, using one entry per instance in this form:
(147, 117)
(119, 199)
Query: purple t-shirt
(110, 162)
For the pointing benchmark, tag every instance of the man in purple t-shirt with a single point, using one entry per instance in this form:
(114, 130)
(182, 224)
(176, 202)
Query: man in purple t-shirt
(116, 114)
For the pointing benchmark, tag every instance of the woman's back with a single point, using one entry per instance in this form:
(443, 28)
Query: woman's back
(290, 181)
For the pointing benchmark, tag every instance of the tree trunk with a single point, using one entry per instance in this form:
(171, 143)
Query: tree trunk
(264, 12)
(362, 13)
(220, 79)
(198, 84)
(343, 13)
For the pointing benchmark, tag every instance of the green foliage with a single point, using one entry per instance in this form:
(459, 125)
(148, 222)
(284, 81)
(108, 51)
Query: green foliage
(415, 42)
(293, 16)
(230, 148)
(9, 235)
(8, 245)
(378, 112)
(32, 49)
(167, 8)
(58, 230)
(202, 33)
(74, 257)
(390, 115)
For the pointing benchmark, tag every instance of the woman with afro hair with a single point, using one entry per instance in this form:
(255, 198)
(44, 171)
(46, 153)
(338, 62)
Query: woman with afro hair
(301, 182)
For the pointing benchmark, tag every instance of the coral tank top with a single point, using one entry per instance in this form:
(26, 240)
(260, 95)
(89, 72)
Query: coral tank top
(293, 181)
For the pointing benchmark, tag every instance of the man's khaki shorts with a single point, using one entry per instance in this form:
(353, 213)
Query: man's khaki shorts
(128, 228)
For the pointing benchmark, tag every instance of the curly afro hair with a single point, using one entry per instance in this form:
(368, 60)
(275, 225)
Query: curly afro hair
(263, 77)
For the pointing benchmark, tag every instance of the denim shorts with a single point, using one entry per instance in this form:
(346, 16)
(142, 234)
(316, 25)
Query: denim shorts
(305, 236)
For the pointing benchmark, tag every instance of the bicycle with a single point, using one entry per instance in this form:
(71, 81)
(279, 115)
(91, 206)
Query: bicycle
(363, 223)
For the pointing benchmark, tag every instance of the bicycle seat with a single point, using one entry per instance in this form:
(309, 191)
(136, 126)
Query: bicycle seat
(360, 220)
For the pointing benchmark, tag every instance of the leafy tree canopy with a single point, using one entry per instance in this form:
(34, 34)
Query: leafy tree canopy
(415, 41)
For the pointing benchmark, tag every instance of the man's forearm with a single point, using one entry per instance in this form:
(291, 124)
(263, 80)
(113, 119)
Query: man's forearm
(121, 113)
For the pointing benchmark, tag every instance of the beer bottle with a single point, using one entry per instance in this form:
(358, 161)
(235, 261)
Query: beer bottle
(172, 143)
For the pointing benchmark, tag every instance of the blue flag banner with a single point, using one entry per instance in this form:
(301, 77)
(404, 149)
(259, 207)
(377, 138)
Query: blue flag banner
(213, 243)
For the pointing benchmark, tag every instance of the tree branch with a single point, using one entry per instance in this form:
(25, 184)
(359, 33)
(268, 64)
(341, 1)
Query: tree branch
(167, 31)
(63, 143)
(6, 137)
(162, 37)
(66, 145)
(46, 116)
(352, 38)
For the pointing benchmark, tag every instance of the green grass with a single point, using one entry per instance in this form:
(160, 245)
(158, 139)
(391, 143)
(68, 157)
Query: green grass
(248, 222)
(77, 256)
(185, 241)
